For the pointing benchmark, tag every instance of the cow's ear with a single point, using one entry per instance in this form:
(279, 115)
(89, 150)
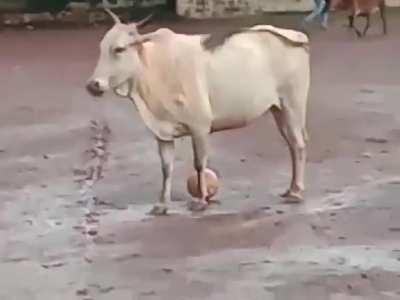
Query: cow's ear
(138, 44)
(155, 36)
(141, 39)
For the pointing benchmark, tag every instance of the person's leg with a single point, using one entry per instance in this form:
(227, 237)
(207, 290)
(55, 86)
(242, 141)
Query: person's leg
(318, 8)
(324, 20)
(325, 14)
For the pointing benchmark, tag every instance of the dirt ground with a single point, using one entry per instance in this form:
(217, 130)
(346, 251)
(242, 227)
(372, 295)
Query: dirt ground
(342, 243)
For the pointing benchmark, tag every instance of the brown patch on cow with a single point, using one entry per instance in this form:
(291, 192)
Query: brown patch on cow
(284, 38)
(218, 39)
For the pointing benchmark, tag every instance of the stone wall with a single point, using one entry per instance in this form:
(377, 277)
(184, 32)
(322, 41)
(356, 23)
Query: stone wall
(129, 3)
(217, 8)
(234, 8)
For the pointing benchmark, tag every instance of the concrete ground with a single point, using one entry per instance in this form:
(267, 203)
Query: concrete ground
(342, 243)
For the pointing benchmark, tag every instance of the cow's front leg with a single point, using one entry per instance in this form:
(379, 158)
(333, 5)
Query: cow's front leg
(166, 150)
(200, 155)
(356, 30)
(351, 21)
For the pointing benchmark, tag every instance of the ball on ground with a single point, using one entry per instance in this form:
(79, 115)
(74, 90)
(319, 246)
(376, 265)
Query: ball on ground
(211, 181)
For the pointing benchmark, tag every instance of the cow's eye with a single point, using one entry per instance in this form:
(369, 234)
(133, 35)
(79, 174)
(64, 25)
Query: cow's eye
(119, 49)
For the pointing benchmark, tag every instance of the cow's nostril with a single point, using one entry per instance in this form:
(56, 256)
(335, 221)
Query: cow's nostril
(93, 88)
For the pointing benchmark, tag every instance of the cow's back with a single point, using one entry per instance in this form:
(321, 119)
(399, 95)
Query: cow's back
(368, 6)
(357, 6)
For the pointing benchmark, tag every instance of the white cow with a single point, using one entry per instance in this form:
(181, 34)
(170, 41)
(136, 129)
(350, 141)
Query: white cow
(198, 84)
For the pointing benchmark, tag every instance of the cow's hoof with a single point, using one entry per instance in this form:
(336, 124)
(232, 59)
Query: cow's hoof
(159, 210)
(213, 201)
(197, 205)
(293, 197)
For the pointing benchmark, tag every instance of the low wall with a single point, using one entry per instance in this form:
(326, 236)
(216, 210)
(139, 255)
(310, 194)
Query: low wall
(129, 3)
(234, 8)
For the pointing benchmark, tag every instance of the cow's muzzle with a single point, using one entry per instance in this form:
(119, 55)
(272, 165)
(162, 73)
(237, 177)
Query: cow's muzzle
(94, 88)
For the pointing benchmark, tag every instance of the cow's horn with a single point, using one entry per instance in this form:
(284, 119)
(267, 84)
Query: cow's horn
(114, 16)
(144, 21)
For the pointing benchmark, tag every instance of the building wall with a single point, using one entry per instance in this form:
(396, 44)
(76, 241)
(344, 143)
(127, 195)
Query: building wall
(129, 3)
(217, 8)
(233, 8)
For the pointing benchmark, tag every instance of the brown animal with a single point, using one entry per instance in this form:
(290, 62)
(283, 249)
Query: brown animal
(362, 8)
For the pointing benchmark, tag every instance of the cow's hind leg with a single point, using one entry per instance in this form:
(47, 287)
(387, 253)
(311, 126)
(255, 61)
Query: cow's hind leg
(382, 10)
(281, 122)
(354, 25)
(358, 32)
(295, 136)
(166, 150)
(367, 24)
(200, 155)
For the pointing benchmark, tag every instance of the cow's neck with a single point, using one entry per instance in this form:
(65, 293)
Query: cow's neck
(155, 85)
(150, 92)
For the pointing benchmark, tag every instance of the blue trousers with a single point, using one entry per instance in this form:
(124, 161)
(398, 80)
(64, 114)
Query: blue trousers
(320, 11)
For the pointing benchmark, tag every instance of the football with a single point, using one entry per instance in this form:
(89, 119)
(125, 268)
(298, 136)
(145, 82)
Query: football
(212, 184)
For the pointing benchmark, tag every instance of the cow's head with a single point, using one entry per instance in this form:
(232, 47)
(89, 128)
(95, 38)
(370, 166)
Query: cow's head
(119, 59)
